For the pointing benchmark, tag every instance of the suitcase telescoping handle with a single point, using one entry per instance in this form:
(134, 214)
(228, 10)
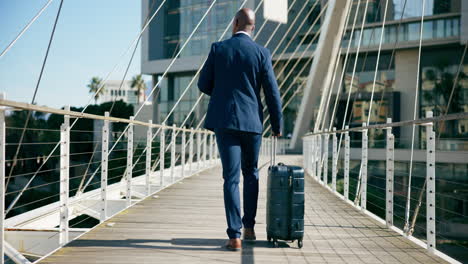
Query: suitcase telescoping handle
(273, 151)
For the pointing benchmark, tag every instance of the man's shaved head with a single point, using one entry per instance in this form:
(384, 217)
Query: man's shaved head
(244, 21)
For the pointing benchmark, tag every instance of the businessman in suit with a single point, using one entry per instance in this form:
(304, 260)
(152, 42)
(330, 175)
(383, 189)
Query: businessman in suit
(235, 72)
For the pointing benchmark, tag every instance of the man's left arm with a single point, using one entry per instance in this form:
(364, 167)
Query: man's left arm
(206, 80)
(272, 95)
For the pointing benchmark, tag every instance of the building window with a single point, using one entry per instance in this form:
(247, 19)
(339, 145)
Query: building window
(438, 73)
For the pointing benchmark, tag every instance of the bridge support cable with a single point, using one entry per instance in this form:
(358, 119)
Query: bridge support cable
(457, 76)
(299, 89)
(190, 84)
(365, 59)
(164, 74)
(294, 53)
(345, 65)
(25, 28)
(320, 74)
(430, 203)
(2, 180)
(65, 209)
(134, 42)
(300, 73)
(337, 63)
(46, 56)
(300, 44)
(187, 88)
(201, 96)
(291, 27)
(280, 57)
(148, 17)
(159, 82)
(324, 120)
(279, 24)
(254, 38)
(348, 15)
(354, 66)
(360, 188)
(361, 33)
(33, 100)
(415, 113)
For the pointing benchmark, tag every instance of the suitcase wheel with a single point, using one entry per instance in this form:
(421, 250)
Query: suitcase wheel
(299, 243)
(275, 243)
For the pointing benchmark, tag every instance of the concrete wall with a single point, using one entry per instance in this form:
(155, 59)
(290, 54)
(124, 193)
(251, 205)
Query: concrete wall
(464, 21)
(406, 71)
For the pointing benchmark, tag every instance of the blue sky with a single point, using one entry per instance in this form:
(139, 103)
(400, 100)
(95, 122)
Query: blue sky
(90, 37)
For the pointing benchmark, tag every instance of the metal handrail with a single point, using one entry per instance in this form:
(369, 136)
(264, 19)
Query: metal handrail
(50, 110)
(457, 116)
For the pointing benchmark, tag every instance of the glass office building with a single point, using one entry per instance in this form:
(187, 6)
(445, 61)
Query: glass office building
(292, 46)
(167, 37)
(169, 31)
(395, 86)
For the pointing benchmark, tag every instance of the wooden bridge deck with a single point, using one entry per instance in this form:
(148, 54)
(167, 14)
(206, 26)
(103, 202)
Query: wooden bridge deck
(186, 224)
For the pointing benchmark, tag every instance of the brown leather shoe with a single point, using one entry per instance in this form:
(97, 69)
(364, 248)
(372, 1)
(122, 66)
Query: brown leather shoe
(249, 234)
(233, 244)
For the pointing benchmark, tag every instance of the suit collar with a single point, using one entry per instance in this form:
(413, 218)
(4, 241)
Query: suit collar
(241, 35)
(243, 32)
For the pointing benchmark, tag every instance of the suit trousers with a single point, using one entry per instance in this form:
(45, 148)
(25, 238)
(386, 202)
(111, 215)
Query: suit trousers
(239, 150)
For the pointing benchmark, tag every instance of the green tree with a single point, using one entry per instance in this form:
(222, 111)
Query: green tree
(96, 87)
(139, 85)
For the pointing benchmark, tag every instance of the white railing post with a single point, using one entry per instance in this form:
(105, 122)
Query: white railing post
(215, 148)
(64, 179)
(211, 149)
(346, 164)
(128, 175)
(312, 157)
(270, 140)
(390, 155)
(431, 186)
(205, 139)
(182, 151)
(325, 158)
(307, 146)
(263, 146)
(2, 179)
(305, 153)
(162, 150)
(334, 160)
(319, 157)
(149, 139)
(198, 150)
(267, 146)
(173, 151)
(191, 151)
(104, 167)
(364, 168)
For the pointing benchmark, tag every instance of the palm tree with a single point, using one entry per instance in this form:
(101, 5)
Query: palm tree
(96, 87)
(139, 85)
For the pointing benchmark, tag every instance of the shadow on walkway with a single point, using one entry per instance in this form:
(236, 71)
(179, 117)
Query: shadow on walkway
(201, 244)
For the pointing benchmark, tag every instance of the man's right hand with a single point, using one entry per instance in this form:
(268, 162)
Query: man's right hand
(277, 135)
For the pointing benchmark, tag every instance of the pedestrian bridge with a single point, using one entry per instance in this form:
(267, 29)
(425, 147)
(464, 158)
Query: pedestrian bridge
(78, 187)
(156, 196)
(185, 223)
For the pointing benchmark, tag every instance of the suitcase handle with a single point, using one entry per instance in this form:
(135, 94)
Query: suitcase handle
(273, 152)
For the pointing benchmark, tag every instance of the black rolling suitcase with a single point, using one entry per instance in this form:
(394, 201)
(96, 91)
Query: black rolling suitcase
(285, 202)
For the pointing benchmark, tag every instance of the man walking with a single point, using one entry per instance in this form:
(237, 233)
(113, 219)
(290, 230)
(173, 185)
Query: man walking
(233, 75)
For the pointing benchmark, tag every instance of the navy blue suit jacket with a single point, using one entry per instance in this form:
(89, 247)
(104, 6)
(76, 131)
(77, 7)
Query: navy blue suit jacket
(233, 75)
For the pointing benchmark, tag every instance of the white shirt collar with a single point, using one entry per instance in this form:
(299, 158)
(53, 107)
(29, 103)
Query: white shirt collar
(242, 32)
